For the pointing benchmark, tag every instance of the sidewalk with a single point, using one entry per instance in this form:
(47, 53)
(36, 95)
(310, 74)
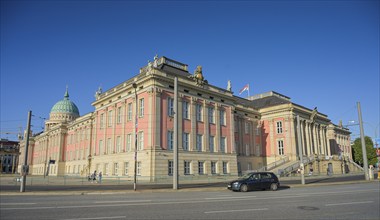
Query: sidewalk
(8, 187)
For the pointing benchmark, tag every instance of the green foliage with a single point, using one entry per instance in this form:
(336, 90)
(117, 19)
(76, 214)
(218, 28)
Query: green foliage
(358, 154)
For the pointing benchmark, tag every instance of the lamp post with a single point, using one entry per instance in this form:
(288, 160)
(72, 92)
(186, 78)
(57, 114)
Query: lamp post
(135, 157)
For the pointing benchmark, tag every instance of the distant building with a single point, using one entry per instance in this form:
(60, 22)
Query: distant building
(9, 155)
(219, 133)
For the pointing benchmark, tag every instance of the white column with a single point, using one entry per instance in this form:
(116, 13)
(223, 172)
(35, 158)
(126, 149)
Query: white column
(193, 117)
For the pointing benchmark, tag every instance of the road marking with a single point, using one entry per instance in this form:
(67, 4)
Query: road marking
(349, 203)
(123, 201)
(111, 217)
(18, 203)
(230, 197)
(241, 210)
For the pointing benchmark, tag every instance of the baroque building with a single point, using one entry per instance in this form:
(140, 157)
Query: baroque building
(218, 133)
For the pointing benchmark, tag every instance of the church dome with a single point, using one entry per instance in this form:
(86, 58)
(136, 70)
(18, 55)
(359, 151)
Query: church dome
(64, 109)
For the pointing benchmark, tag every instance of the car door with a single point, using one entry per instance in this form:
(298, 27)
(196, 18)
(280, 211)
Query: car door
(254, 181)
(265, 180)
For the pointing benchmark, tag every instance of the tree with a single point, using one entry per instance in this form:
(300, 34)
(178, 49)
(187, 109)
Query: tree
(358, 154)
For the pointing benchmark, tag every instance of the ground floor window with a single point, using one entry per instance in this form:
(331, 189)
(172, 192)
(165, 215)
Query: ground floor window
(126, 164)
(170, 167)
(225, 167)
(186, 167)
(201, 168)
(280, 145)
(213, 167)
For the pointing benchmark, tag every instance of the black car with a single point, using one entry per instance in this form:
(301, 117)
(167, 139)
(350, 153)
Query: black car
(255, 180)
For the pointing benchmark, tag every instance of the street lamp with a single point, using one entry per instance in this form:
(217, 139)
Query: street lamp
(135, 158)
(89, 158)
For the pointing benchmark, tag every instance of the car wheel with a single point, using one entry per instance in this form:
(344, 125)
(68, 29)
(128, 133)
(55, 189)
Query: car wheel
(243, 188)
(273, 186)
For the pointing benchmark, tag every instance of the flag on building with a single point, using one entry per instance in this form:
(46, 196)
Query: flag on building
(246, 87)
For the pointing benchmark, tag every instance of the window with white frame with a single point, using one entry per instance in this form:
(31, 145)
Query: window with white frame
(139, 168)
(118, 144)
(100, 147)
(247, 153)
(211, 143)
(201, 167)
(126, 168)
(141, 108)
(106, 171)
(170, 140)
(186, 167)
(258, 150)
(110, 116)
(257, 130)
(211, 115)
(118, 118)
(279, 127)
(185, 108)
(222, 144)
(170, 167)
(109, 146)
(115, 169)
(170, 106)
(199, 112)
(280, 145)
(222, 117)
(225, 167)
(213, 167)
(129, 114)
(185, 141)
(246, 127)
(141, 140)
(129, 142)
(199, 142)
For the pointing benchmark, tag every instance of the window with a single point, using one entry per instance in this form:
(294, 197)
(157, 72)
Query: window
(257, 130)
(280, 144)
(126, 165)
(201, 168)
(118, 144)
(258, 153)
(115, 169)
(170, 140)
(225, 167)
(170, 106)
(129, 142)
(211, 143)
(213, 167)
(106, 168)
(139, 168)
(199, 142)
(100, 147)
(246, 127)
(186, 167)
(223, 144)
(185, 108)
(279, 127)
(109, 147)
(141, 109)
(170, 167)
(247, 150)
(118, 120)
(141, 140)
(101, 121)
(199, 112)
(129, 116)
(222, 117)
(211, 115)
(110, 115)
(185, 141)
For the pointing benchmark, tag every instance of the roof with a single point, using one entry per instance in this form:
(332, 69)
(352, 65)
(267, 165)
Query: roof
(65, 106)
(269, 99)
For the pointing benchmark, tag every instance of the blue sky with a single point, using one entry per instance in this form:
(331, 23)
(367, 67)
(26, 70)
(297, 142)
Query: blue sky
(321, 54)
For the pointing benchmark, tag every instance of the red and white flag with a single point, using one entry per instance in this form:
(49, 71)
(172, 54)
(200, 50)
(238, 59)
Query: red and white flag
(246, 87)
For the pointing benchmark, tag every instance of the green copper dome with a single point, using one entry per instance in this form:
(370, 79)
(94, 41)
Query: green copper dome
(65, 106)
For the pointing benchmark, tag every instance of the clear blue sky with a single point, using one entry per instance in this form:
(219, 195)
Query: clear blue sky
(322, 54)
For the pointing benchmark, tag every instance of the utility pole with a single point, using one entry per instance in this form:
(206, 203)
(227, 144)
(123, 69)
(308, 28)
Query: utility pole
(364, 150)
(175, 138)
(300, 150)
(25, 169)
(135, 158)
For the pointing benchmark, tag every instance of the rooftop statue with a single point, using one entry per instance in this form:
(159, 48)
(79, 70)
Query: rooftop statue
(198, 77)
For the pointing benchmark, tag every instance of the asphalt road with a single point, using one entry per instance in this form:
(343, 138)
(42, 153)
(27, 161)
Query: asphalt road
(89, 187)
(344, 201)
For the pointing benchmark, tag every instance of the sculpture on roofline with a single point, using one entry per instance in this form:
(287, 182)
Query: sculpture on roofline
(198, 77)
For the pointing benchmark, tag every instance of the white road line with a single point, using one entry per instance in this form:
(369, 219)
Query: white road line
(349, 203)
(103, 202)
(230, 197)
(18, 203)
(241, 210)
(111, 217)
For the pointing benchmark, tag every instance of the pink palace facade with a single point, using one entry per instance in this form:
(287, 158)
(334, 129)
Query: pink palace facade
(218, 133)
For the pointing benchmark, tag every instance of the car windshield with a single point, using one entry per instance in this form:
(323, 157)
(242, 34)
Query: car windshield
(246, 176)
